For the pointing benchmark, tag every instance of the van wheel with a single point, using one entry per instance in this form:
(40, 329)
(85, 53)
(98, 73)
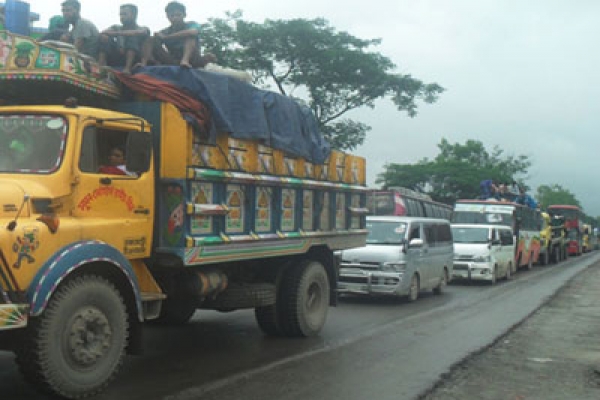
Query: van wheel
(413, 293)
(494, 275)
(508, 271)
(443, 282)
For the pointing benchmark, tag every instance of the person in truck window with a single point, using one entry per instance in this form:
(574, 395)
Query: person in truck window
(178, 44)
(121, 45)
(116, 162)
(84, 34)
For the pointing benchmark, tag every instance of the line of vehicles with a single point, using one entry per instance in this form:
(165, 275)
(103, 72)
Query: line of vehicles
(416, 244)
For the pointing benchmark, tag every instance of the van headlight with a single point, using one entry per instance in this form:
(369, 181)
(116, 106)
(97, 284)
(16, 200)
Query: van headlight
(482, 259)
(394, 267)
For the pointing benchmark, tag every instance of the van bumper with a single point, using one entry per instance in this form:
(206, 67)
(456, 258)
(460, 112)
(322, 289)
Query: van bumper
(355, 281)
(473, 271)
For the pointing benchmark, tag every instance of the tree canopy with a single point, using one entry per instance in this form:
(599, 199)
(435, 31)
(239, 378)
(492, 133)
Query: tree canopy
(456, 171)
(333, 72)
(555, 194)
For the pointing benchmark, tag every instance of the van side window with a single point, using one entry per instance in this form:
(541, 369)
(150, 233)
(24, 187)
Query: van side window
(415, 233)
(443, 234)
(506, 237)
(430, 237)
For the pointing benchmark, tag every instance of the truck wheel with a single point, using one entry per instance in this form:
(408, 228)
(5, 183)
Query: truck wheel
(508, 271)
(544, 259)
(530, 263)
(242, 295)
(304, 299)
(267, 320)
(77, 346)
(182, 300)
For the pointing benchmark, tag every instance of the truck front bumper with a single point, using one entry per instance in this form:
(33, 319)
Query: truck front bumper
(13, 316)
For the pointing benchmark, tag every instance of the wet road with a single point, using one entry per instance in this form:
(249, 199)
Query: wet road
(369, 348)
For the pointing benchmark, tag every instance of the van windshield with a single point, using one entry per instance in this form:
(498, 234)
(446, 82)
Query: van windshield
(386, 232)
(470, 235)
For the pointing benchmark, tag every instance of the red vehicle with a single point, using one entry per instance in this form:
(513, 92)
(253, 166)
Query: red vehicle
(573, 225)
(405, 202)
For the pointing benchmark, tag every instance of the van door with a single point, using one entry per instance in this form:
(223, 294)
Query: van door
(431, 259)
(508, 245)
(414, 256)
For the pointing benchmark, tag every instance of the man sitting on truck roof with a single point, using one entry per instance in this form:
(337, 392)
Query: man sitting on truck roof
(178, 44)
(120, 45)
(84, 34)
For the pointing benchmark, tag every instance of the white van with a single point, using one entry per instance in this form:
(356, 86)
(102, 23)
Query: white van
(483, 252)
(403, 256)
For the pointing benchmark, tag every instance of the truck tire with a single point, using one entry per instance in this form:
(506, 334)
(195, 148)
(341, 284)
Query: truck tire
(76, 347)
(243, 295)
(182, 300)
(304, 299)
(268, 320)
(544, 258)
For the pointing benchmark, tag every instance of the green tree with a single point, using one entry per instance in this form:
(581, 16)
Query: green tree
(332, 72)
(555, 194)
(456, 171)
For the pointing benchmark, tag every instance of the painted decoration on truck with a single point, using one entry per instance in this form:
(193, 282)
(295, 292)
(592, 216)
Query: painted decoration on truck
(307, 210)
(234, 221)
(340, 211)
(5, 48)
(24, 54)
(173, 232)
(288, 205)
(25, 246)
(13, 316)
(263, 209)
(355, 203)
(324, 217)
(202, 193)
(48, 58)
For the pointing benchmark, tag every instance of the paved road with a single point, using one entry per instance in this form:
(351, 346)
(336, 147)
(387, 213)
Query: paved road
(370, 348)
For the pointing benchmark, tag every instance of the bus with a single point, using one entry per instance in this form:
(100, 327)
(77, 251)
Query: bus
(573, 224)
(405, 202)
(524, 221)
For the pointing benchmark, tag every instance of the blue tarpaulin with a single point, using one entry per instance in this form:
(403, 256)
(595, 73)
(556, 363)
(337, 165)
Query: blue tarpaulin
(247, 112)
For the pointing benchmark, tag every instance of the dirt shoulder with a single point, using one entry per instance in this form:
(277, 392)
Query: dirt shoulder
(553, 355)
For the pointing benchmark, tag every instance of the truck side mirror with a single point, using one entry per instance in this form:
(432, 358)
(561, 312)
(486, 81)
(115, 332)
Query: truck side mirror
(139, 152)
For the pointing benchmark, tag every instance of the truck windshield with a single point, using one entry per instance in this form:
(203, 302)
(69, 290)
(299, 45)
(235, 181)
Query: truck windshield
(31, 143)
(386, 232)
(470, 235)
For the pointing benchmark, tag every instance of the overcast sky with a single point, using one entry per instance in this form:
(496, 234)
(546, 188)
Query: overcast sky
(523, 75)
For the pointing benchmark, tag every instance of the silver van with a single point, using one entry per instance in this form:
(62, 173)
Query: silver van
(483, 252)
(403, 256)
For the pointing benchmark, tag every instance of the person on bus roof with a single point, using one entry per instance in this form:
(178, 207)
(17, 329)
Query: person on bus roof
(524, 199)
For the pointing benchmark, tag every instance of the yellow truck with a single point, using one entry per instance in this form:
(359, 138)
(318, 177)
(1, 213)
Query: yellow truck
(553, 243)
(87, 256)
